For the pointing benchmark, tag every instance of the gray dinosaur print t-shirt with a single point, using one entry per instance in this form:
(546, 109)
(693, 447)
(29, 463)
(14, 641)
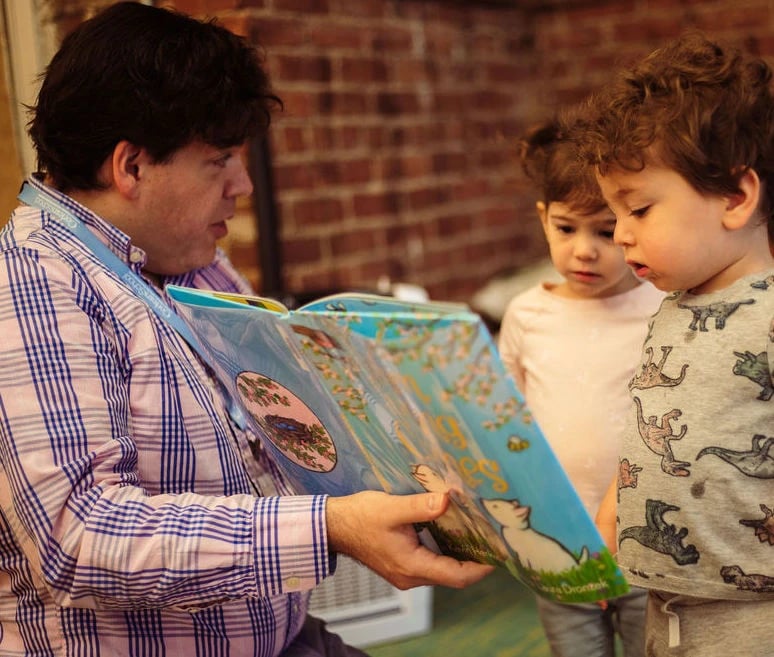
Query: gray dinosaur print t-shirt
(696, 507)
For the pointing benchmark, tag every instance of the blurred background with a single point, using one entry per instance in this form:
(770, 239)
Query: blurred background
(393, 158)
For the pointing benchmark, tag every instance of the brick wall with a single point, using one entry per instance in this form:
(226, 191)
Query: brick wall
(393, 154)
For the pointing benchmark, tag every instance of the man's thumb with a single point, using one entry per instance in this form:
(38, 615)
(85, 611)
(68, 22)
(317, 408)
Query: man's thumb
(433, 504)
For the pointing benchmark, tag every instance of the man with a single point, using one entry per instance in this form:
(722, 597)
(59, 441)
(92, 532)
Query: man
(133, 519)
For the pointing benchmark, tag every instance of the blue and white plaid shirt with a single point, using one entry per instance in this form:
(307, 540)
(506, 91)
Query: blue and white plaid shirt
(133, 518)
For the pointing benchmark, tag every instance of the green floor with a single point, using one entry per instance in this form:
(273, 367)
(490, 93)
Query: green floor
(494, 618)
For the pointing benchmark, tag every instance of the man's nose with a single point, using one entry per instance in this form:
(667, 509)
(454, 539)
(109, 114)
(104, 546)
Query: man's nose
(240, 183)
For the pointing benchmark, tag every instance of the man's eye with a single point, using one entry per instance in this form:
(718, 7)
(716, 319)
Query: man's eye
(222, 160)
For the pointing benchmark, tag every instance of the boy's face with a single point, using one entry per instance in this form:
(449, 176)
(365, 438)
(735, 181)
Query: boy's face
(583, 252)
(185, 204)
(672, 235)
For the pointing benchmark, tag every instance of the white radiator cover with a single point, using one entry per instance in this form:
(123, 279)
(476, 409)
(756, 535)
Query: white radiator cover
(364, 609)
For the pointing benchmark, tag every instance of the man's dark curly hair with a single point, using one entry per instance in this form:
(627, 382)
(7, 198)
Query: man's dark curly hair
(154, 77)
(697, 107)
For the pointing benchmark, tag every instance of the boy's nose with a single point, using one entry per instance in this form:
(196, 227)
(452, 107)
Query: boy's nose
(622, 236)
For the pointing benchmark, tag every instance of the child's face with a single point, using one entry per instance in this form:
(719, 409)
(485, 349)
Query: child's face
(583, 252)
(671, 234)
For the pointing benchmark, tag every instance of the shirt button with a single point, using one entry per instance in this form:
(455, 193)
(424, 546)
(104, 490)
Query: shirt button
(292, 583)
(135, 256)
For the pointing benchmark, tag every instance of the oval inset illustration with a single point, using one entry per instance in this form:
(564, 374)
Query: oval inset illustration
(287, 421)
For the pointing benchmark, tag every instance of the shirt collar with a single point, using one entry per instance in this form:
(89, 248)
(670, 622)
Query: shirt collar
(115, 239)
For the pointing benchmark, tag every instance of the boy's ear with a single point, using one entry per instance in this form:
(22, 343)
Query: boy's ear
(744, 204)
(125, 167)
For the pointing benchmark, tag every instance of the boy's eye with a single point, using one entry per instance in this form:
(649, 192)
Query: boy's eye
(607, 234)
(640, 212)
(567, 230)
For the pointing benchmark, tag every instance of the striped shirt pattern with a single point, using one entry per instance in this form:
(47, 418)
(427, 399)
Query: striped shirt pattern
(134, 518)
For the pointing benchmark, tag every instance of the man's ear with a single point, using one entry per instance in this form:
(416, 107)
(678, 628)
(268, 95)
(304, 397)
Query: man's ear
(744, 204)
(125, 167)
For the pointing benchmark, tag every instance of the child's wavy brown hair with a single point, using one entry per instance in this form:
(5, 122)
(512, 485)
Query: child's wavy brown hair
(694, 106)
(549, 160)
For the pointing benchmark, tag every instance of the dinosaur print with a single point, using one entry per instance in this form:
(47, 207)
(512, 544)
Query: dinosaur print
(719, 311)
(764, 527)
(660, 536)
(658, 436)
(745, 582)
(627, 474)
(652, 376)
(764, 283)
(651, 324)
(755, 368)
(756, 462)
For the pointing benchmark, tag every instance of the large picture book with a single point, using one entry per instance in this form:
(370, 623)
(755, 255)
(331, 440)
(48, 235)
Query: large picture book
(357, 391)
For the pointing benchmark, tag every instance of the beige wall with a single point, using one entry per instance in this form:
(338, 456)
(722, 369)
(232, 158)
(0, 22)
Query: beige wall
(10, 167)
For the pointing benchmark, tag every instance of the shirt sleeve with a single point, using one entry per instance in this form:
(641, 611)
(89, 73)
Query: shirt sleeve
(98, 532)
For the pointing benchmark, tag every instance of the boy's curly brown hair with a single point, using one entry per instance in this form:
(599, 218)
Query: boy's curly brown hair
(694, 106)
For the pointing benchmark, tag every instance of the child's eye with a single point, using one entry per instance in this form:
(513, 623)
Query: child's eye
(607, 234)
(566, 230)
(640, 212)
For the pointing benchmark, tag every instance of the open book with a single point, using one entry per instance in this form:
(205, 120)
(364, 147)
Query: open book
(356, 391)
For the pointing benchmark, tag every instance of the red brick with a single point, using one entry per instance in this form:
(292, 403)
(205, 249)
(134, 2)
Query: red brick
(301, 6)
(363, 70)
(337, 36)
(294, 68)
(273, 31)
(353, 242)
(317, 211)
(365, 205)
(301, 250)
(397, 103)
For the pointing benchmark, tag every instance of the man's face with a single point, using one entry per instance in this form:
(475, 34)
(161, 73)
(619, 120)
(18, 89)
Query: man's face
(184, 205)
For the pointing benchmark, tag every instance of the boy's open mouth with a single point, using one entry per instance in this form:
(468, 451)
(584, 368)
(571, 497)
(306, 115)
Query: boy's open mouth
(640, 270)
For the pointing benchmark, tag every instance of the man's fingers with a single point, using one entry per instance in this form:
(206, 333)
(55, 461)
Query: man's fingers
(419, 507)
(441, 570)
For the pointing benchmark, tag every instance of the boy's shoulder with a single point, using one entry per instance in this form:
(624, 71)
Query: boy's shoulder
(754, 292)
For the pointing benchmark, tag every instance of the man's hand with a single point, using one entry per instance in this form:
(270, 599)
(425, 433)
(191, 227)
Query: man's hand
(377, 529)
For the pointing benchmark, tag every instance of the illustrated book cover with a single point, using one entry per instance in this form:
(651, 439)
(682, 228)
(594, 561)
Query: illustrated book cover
(358, 391)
